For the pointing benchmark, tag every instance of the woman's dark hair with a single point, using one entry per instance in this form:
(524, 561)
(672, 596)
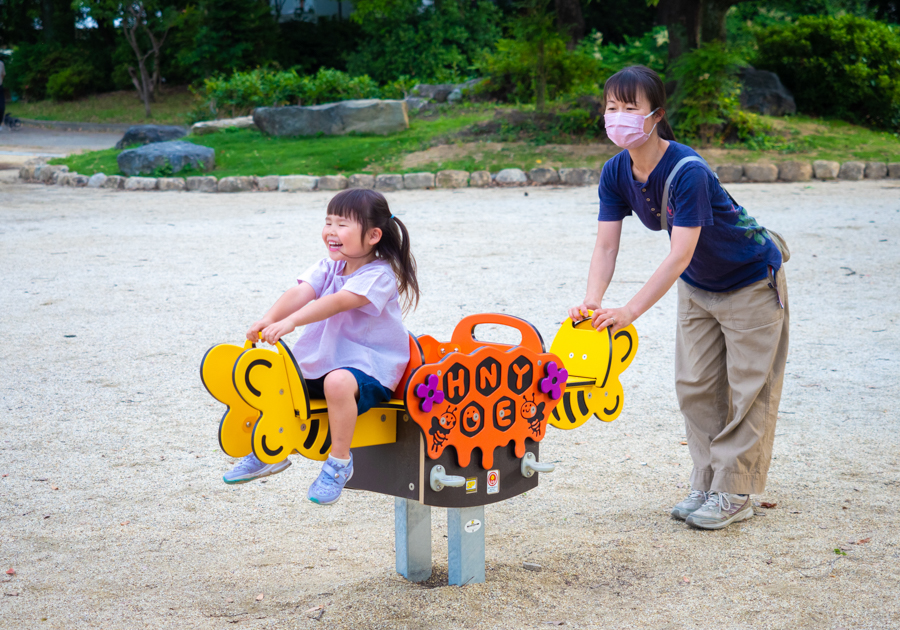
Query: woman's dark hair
(370, 209)
(626, 84)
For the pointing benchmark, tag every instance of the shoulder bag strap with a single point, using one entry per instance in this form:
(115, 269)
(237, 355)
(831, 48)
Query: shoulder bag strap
(663, 219)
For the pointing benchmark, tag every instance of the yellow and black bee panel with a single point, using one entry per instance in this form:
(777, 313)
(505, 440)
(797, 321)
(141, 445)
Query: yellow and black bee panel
(236, 426)
(595, 361)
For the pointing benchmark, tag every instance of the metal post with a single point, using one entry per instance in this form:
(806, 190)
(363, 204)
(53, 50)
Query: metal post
(465, 541)
(412, 539)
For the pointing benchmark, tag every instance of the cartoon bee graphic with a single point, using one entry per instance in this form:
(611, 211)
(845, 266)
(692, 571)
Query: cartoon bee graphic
(441, 427)
(533, 413)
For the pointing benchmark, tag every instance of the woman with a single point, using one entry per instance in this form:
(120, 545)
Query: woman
(732, 330)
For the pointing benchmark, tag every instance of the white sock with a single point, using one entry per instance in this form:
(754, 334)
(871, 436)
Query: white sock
(342, 462)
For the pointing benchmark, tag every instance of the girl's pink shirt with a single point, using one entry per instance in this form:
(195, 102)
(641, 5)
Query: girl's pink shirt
(371, 338)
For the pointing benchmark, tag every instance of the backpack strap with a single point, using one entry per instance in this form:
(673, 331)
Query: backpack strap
(663, 219)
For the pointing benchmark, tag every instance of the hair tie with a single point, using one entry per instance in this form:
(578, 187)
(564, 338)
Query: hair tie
(392, 216)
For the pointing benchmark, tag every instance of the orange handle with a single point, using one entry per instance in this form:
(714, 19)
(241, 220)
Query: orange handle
(464, 333)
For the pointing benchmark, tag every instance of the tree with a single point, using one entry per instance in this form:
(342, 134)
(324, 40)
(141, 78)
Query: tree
(145, 25)
(692, 22)
(535, 27)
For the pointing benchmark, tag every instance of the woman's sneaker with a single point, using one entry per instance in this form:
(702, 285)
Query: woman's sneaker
(721, 509)
(691, 504)
(327, 487)
(250, 468)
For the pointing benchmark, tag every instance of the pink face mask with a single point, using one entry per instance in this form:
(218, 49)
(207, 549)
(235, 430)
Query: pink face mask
(627, 130)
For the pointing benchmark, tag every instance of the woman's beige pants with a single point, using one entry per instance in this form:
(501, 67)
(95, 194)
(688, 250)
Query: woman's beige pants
(730, 352)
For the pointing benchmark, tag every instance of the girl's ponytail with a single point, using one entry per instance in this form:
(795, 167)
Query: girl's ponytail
(405, 269)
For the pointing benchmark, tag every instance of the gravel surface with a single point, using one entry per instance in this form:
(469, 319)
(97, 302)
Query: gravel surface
(112, 509)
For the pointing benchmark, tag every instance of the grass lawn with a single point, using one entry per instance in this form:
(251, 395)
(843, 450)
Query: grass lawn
(437, 142)
(114, 107)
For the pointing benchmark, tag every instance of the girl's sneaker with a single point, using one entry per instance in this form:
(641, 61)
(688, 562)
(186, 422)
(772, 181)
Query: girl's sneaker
(327, 487)
(721, 509)
(250, 468)
(691, 504)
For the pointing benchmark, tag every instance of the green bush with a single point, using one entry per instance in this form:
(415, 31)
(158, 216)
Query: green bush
(706, 100)
(72, 82)
(240, 93)
(510, 73)
(436, 42)
(847, 67)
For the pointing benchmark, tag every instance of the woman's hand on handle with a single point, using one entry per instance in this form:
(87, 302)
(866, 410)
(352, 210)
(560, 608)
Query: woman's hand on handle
(616, 318)
(582, 311)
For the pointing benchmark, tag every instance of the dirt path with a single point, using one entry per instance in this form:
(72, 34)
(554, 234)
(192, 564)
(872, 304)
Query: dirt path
(25, 143)
(112, 509)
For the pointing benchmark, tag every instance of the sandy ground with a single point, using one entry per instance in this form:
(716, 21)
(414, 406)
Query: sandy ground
(112, 509)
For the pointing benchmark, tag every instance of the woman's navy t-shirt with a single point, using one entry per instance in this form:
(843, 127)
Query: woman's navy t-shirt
(733, 250)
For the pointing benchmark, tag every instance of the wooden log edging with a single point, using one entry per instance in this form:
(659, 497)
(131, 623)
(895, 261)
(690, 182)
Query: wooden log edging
(790, 171)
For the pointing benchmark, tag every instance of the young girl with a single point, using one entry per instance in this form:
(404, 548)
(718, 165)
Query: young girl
(732, 330)
(353, 348)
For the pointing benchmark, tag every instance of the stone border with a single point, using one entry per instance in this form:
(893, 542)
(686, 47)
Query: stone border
(794, 171)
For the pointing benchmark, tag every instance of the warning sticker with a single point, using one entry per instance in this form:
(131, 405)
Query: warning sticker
(472, 526)
(471, 485)
(493, 481)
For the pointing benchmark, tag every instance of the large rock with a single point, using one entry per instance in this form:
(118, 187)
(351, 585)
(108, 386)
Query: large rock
(171, 183)
(236, 184)
(363, 116)
(480, 179)
(361, 180)
(149, 134)
(511, 177)
(852, 170)
(333, 182)
(543, 175)
(268, 183)
(826, 169)
(140, 183)
(297, 183)
(388, 182)
(202, 183)
(730, 173)
(876, 170)
(451, 179)
(97, 180)
(417, 103)
(115, 182)
(418, 181)
(48, 173)
(435, 92)
(460, 90)
(894, 170)
(761, 173)
(762, 92)
(579, 176)
(795, 171)
(176, 154)
(212, 126)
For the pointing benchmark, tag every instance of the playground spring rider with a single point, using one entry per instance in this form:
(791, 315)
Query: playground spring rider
(457, 397)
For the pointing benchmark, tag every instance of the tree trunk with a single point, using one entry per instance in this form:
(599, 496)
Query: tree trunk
(682, 20)
(540, 87)
(47, 21)
(712, 27)
(693, 22)
(570, 21)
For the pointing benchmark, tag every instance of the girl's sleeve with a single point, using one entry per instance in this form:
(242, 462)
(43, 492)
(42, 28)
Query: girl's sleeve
(316, 276)
(378, 285)
(692, 196)
(613, 206)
